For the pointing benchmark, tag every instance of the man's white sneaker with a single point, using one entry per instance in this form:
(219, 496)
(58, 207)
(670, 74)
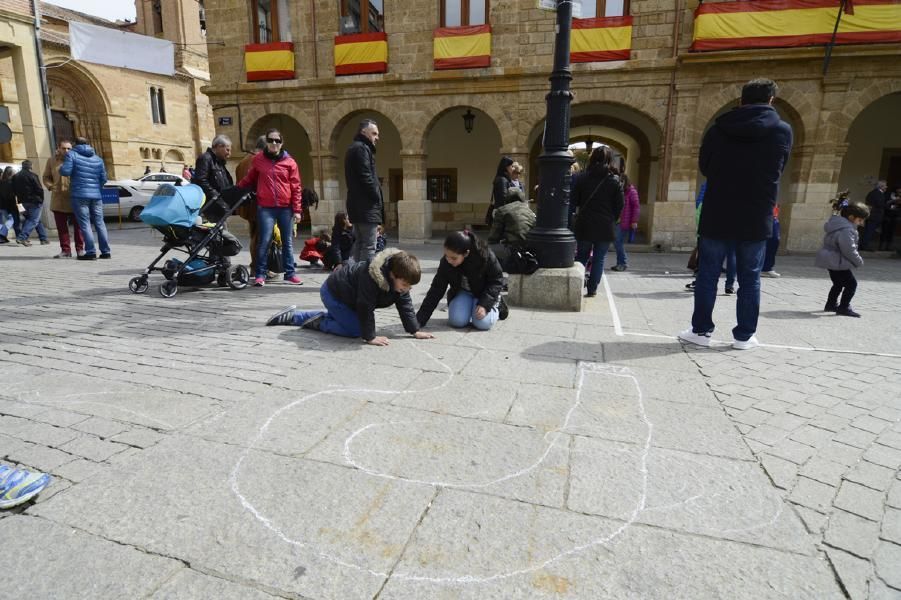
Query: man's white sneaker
(769, 274)
(748, 344)
(698, 339)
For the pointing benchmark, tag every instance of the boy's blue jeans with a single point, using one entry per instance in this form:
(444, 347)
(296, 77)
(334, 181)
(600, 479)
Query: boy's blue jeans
(748, 260)
(461, 311)
(340, 319)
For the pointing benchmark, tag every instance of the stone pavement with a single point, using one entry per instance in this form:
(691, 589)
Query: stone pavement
(197, 454)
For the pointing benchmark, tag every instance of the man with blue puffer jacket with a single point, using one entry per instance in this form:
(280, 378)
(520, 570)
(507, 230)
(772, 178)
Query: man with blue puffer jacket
(87, 175)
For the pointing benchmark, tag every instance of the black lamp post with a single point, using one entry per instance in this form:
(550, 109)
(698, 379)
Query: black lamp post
(552, 241)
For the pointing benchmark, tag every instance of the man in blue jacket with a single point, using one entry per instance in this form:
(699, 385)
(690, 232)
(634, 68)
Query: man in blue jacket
(742, 156)
(87, 175)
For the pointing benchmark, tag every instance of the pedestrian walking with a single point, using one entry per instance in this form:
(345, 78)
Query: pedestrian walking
(87, 174)
(840, 257)
(598, 197)
(875, 201)
(742, 156)
(365, 203)
(61, 203)
(772, 247)
(30, 195)
(628, 223)
(8, 206)
(275, 177)
(890, 219)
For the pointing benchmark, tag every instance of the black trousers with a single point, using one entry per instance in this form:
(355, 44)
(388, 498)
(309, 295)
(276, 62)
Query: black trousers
(888, 231)
(842, 280)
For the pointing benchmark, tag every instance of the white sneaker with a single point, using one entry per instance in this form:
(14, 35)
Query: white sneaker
(770, 274)
(748, 344)
(698, 339)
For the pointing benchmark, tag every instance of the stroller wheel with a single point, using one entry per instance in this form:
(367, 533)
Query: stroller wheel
(238, 277)
(168, 288)
(138, 285)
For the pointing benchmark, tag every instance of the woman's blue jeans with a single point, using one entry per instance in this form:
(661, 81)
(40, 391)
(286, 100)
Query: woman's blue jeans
(597, 251)
(266, 220)
(461, 311)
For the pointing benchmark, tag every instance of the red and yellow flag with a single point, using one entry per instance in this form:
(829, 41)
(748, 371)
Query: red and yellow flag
(466, 47)
(600, 39)
(789, 23)
(269, 62)
(359, 53)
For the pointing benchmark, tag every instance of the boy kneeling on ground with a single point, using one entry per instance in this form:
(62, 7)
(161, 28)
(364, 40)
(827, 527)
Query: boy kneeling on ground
(352, 293)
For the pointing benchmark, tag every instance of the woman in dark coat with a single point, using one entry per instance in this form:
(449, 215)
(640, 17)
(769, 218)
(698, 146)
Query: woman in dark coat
(598, 197)
(503, 181)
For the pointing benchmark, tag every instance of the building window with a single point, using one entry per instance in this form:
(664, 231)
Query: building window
(202, 19)
(157, 106)
(604, 8)
(156, 8)
(441, 185)
(265, 21)
(362, 16)
(457, 13)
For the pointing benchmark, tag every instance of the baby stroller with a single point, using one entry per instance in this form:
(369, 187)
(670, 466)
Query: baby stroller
(177, 212)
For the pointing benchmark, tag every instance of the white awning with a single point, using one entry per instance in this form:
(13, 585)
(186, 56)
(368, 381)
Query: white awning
(114, 48)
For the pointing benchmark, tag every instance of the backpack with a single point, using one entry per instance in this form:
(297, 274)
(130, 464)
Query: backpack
(521, 260)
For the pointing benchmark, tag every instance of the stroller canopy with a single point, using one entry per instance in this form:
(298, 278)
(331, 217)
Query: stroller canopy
(174, 206)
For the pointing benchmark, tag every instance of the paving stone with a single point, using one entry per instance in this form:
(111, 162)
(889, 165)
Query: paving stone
(38, 457)
(814, 521)
(886, 560)
(811, 436)
(892, 439)
(857, 438)
(824, 471)
(846, 411)
(80, 469)
(872, 476)
(792, 451)
(20, 409)
(806, 410)
(768, 435)
(880, 591)
(752, 416)
(782, 472)
(871, 424)
(60, 418)
(139, 437)
(886, 413)
(840, 453)
(852, 533)
(786, 421)
(883, 456)
(93, 448)
(860, 500)
(855, 573)
(36, 433)
(89, 566)
(894, 495)
(891, 525)
(188, 584)
(102, 428)
(812, 494)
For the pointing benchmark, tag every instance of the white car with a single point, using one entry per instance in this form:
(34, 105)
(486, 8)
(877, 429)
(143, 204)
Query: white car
(135, 194)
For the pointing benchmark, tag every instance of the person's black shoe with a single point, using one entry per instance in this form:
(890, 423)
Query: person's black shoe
(106, 255)
(4, 240)
(87, 257)
(847, 311)
(503, 311)
(830, 307)
(730, 291)
(618, 268)
(282, 317)
(690, 286)
(591, 294)
(313, 322)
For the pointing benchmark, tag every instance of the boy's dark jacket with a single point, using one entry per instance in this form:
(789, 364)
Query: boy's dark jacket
(486, 280)
(367, 285)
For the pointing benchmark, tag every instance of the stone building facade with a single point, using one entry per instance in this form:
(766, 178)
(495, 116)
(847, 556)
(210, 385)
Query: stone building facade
(653, 108)
(134, 119)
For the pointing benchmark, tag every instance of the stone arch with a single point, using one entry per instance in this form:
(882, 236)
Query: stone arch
(489, 110)
(867, 96)
(343, 114)
(273, 111)
(873, 148)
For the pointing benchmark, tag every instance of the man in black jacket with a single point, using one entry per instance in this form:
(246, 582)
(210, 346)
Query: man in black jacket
(30, 194)
(876, 201)
(742, 156)
(210, 172)
(365, 205)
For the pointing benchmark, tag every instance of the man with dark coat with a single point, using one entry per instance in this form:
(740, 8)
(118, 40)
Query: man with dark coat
(87, 174)
(365, 205)
(742, 156)
(876, 201)
(30, 194)
(210, 172)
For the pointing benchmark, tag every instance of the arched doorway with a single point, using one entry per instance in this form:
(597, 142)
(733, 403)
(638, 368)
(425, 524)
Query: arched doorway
(174, 162)
(632, 134)
(388, 159)
(874, 148)
(79, 108)
(460, 166)
(296, 143)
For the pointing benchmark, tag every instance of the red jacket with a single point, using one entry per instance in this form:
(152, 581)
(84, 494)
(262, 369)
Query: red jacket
(276, 181)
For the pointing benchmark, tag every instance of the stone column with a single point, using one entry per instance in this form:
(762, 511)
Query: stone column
(802, 220)
(326, 174)
(414, 212)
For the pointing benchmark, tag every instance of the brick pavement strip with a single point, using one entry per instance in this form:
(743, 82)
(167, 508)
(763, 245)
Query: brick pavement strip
(823, 426)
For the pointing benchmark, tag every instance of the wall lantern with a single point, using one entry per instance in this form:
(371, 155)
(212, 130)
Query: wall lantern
(468, 121)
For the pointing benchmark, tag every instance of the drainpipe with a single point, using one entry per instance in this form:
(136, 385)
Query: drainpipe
(45, 91)
(662, 191)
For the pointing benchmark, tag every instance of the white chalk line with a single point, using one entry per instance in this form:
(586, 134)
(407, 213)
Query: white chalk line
(614, 314)
(583, 368)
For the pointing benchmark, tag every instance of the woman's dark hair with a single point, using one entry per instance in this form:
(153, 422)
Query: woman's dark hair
(625, 181)
(8, 173)
(855, 210)
(461, 242)
(340, 220)
(601, 159)
(506, 161)
(310, 197)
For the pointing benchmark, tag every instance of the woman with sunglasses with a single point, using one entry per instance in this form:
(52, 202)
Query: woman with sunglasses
(275, 177)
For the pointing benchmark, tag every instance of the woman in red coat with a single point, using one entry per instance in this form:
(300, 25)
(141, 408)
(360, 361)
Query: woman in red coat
(275, 177)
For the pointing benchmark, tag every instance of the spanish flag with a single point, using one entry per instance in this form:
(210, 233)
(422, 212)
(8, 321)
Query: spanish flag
(359, 53)
(790, 23)
(466, 47)
(269, 62)
(600, 39)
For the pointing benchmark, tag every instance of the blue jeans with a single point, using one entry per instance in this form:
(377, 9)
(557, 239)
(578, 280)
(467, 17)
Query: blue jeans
(748, 260)
(461, 312)
(32, 222)
(5, 215)
(620, 244)
(339, 320)
(597, 250)
(266, 220)
(730, 266)
(772, 246)
(88, 212)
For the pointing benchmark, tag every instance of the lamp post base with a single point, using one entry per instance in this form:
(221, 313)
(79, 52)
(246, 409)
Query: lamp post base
(554, 289)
